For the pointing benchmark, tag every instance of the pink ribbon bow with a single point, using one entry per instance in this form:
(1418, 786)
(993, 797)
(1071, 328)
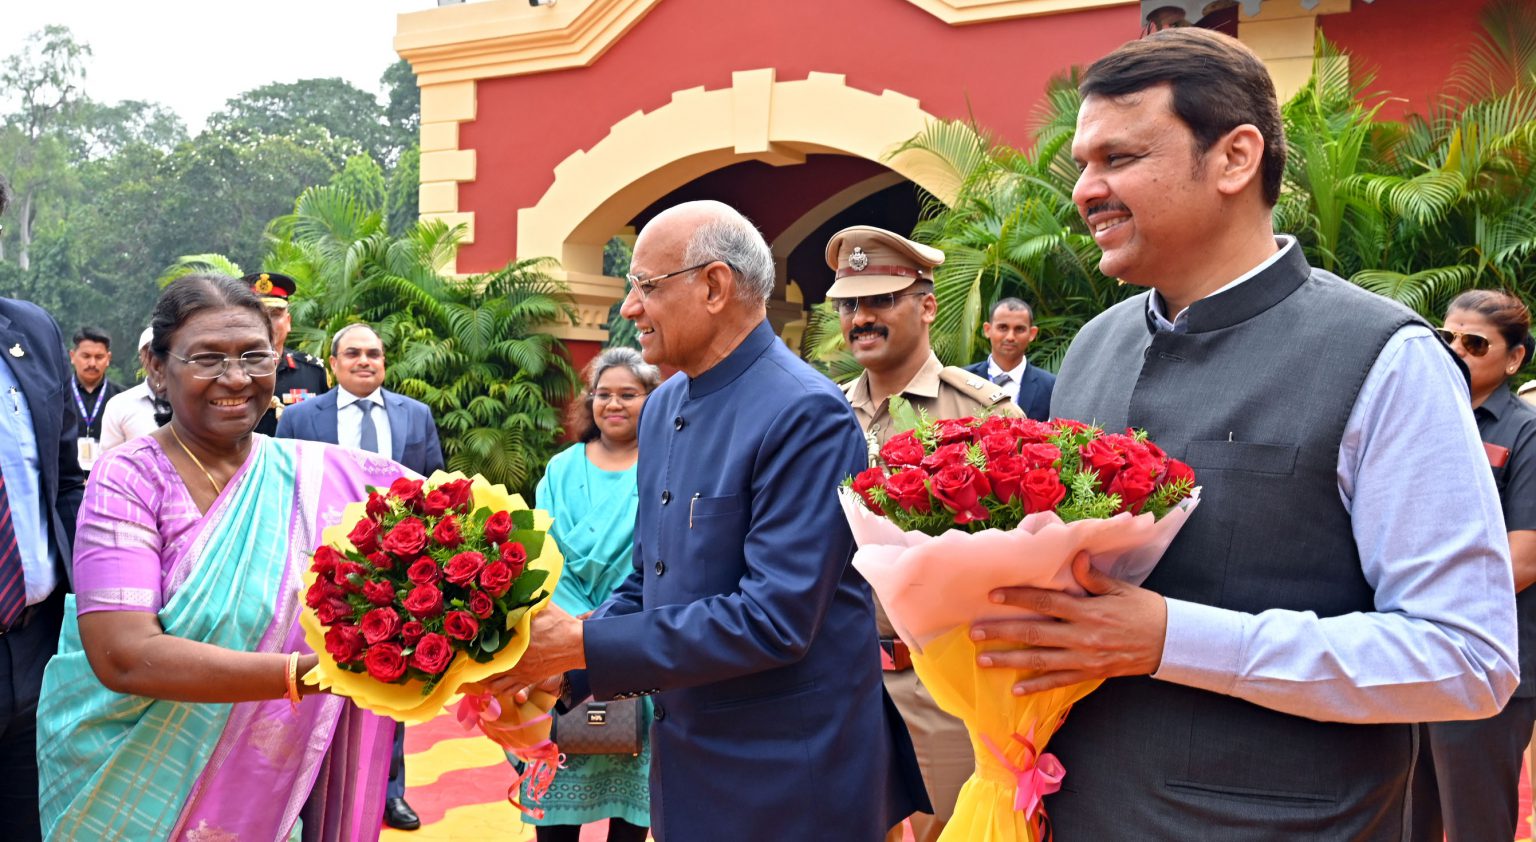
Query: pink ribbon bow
(1037, 776)
(542, 759)
(476, 708)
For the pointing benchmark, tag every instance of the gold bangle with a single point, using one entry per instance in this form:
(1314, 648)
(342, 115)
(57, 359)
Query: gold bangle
(293, 680)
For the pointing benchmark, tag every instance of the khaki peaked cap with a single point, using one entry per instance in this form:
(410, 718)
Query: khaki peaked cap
(871, 261)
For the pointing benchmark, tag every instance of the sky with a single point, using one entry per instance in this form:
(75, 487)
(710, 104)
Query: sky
(192, 56)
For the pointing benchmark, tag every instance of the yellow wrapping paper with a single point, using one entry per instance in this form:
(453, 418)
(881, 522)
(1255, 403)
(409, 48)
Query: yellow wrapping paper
(405, 702)
(934, 588)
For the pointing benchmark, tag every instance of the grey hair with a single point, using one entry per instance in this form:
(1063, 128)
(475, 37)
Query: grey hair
(579, 416)
(336, 339)
(732, 239)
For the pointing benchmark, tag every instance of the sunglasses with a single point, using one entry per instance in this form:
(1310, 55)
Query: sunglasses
(1476, 344)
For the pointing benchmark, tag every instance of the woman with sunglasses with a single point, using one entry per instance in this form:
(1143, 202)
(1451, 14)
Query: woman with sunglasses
(1468, 775)
(590, 490)
(173, 709)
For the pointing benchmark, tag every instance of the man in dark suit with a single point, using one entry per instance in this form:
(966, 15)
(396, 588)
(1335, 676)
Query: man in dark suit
(404, 430)
(40, 489)
(1010, 331)
(92, 388)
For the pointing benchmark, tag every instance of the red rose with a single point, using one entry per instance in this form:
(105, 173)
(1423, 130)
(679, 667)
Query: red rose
(385, 663)
(460, 494)
(952, 431)
(949, 454)
(350, 575)
(380, 624)
(435, 503)
(424, 602)
(344, 643)
(378, 506)
(909, 490)
(408, 492)
(333, 610)
(866, 480)
(1178, 471)
(481, 604)
(496, 578)
(514, 556)
(423, 572)
(993, 425)
(498, 527)
(461, 625)
(447, 531)
(1007, 477)
(999, 445)
(463, 568)
(1042, 490)
(381, 560)
(325, 560)
(379, 593)
(1069, 425)
(408, 538)
(1040, 455)
(1030, 431)
(902, 451)
(1134, 487)
(433, 654)
(365, 536)
(960, 488)
(322, 590)
(411, 632)
(1104, 458)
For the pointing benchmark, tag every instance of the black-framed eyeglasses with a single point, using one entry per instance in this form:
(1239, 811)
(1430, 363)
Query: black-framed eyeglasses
(646, 286)
(870, 303)
(211, 366)
(1475, 343)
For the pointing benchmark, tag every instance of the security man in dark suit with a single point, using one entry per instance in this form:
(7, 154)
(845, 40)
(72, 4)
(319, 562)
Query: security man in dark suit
(40, 489)
(299, 375)
(1010, 331)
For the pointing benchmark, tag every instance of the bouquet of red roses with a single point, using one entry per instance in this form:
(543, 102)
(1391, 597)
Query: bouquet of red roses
(424, 587)
(961, 507)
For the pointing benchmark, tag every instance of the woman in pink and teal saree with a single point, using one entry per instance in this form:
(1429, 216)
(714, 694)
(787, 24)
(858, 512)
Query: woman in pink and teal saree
(170, 712)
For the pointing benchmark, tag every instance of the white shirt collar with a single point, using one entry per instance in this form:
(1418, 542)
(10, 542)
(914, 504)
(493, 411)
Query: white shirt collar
(1155, 300)
(345, 398)
(993, 369)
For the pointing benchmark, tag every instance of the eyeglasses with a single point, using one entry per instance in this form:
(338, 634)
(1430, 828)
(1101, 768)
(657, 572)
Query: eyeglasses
(211, 366)
(870, 303)
(373, 354)
(1476, 344)
(626, 397)
(646, 286)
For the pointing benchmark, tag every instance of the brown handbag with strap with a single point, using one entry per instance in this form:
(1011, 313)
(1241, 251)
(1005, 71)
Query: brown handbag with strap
(594, 727)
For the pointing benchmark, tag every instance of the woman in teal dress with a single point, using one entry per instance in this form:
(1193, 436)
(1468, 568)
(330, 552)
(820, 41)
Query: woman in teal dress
(589, 489)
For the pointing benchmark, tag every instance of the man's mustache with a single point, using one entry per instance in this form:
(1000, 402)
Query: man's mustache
(878, 330)
(1106, 206)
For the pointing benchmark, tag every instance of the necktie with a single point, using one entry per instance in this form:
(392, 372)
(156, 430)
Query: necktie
(1002, 378)
(369, 439)
(13, 588)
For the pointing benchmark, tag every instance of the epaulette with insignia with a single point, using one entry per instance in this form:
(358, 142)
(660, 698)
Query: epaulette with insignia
(980, 388)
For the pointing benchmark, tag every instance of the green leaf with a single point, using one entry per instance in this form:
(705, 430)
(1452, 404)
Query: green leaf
(526, 586)
(531, 539)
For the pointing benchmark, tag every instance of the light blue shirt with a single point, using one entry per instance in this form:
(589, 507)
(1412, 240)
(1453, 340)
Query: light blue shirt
(24, 487)
(1426, 518)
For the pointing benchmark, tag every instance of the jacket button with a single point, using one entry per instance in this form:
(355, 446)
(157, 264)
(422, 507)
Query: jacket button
(661, 568)
(666, 497)
(661, 713)
(679, 423)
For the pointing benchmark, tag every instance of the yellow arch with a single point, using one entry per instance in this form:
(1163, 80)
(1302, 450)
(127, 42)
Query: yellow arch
(646, 156)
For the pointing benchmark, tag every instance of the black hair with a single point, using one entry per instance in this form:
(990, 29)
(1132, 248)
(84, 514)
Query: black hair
(91, 334)
(1505, 311)
(189, 295)
(1014, 304)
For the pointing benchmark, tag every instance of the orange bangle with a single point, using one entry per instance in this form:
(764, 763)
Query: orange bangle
(293, 680)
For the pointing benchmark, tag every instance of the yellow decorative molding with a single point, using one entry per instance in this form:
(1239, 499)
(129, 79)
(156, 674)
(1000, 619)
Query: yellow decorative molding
(962, 12)
(494, 38)
(438, 197)
(439, 136)
(452, 219)
(1283, 34)
(593, 295)
(450, 102)
(448, 165)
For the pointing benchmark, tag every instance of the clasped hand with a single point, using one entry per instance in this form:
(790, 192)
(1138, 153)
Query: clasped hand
(1118, 629)
(555, 646)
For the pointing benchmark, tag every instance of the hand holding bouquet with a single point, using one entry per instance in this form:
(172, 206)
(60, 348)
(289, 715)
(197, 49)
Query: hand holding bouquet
(962, 507)
(423, 588)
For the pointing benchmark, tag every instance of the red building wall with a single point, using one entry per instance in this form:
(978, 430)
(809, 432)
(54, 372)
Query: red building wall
(992, 71)
(1413, 45)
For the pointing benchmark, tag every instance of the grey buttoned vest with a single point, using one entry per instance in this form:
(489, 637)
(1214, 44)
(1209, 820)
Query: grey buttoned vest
(1254, 396)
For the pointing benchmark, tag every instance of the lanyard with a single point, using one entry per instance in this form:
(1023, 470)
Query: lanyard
(87, 419)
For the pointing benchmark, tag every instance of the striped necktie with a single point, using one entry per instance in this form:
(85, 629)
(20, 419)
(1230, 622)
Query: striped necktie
(13, 587)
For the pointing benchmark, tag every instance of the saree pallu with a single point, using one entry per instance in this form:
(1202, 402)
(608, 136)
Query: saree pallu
(115, 766)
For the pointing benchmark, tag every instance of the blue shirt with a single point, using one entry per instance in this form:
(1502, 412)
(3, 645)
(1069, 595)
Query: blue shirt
(1426, 516)
(24, 487)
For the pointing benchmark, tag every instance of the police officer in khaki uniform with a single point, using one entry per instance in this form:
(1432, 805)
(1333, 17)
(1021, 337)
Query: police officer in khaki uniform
(299, 375)
(884, 298)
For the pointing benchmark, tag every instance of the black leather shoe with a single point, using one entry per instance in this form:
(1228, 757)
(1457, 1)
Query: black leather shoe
(399, 815)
